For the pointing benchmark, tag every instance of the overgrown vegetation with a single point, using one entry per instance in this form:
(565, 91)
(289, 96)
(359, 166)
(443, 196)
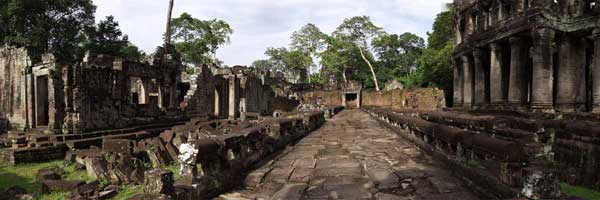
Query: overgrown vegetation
(25, 176)
(580, 192)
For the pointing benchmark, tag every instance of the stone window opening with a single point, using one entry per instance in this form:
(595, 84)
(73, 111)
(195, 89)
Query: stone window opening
(138, 91)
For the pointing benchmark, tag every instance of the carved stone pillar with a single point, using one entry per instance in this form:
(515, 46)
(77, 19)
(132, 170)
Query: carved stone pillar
(479, 95)
(458, 87)
(468, 82)
(517, 84)
(596, 72)
(496, 75)
(542, 88)
(571, 75)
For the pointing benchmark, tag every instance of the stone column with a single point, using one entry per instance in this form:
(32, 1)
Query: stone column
(542, 88)
(479, 95)
(596, 71)
(517, 84)
(233, 97)
(458, 87)
(569, 74)
(468, 82)
(496, 75)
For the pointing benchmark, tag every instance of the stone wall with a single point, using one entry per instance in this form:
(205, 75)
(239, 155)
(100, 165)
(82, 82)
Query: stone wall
(13, 61)
(329, 98)
(420, 99)
(137, 94)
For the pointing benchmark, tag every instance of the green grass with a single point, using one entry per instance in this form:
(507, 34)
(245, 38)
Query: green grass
(25, 176)
(579, 192)
(128, 191)
(175, 170)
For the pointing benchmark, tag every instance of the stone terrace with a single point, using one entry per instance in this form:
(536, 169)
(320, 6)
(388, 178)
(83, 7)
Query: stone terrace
(352, 157)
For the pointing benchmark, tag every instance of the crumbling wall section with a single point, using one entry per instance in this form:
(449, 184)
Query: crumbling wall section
(13, 62)
(202, 93)
(115, 95)
(420, 99)
(329, 98)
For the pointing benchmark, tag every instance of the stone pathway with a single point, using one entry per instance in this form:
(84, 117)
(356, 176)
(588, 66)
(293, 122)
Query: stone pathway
(352, 157)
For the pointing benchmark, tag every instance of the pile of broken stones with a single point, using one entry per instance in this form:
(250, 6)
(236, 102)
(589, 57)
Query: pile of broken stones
(119, 162)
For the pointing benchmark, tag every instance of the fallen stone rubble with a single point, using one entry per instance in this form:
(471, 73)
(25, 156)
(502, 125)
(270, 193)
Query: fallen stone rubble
(214, 165)
(213, 156)
(497, 167)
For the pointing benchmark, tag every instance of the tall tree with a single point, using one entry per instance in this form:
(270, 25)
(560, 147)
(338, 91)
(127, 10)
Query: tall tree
(297, 59)
(107, 38)
(276, 56)
(398, 53)
(310, 40)
(199, 39)
(359, 30)
(435, 65)
(47, 26)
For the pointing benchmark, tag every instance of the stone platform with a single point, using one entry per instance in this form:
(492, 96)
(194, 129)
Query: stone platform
(352, 157)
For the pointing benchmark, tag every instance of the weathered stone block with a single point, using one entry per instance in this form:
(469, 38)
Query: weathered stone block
(159, 182)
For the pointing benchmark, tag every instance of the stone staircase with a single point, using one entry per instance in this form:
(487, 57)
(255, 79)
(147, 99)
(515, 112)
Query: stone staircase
(193, 88)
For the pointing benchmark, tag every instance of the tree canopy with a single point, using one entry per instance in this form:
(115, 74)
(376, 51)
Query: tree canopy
(199, 39)
(47, 26)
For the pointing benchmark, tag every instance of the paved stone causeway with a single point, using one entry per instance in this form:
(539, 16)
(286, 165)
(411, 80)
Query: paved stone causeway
(352, 157)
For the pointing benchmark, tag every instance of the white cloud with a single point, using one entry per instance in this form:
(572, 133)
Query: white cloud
(259, 24)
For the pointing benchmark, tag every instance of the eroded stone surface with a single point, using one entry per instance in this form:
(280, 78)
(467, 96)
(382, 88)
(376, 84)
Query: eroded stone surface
(352, 157)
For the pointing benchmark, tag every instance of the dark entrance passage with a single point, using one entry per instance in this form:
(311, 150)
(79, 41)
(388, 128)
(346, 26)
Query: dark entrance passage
(351, 100)
(42, 107)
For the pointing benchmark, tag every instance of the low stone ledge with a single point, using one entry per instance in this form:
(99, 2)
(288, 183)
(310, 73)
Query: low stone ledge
(218, 163)
(499, 166)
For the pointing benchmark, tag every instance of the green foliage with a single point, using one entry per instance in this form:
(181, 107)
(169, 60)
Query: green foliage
(25, 176)
(357, 30)
(317, 78)
(266, 65)
(107, 38)
(397, 54)
(309, 39)
(198, 39)
(132, 52)
(276, 57)
(580, 192)
(47, 26)
(128, 191)
(297, 59)
(435, 63)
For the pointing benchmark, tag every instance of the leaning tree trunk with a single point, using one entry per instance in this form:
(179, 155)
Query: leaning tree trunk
(168, 32)
(370, 66)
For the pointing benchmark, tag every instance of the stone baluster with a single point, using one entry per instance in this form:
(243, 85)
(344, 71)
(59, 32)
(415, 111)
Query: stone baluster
(542, 88)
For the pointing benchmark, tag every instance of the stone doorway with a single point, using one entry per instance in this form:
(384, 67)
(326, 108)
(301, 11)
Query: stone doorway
(42, 114)
(351, 100)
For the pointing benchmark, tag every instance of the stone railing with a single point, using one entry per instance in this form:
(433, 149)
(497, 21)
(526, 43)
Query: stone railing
(570, 141)
(213, 165)
(502, 163)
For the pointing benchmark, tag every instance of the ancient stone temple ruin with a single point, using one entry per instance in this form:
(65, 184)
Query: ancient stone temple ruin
(539, 55)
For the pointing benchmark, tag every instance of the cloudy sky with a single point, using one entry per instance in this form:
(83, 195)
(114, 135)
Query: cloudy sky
(259, 24)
